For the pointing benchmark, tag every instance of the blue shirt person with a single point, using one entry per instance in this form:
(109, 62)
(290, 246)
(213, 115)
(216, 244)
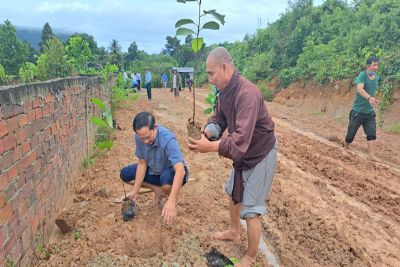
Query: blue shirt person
(164, 80)
(161, 166)
(148, 83)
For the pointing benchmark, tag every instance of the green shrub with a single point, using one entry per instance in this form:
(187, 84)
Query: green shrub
(395, 128)
(28, 72)
(4, 78)
(268, 94)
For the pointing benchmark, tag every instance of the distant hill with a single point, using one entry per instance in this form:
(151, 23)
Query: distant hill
(33, 35)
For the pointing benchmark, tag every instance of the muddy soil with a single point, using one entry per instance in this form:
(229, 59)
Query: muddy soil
(328, 206)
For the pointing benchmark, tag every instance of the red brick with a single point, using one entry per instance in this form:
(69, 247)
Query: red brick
(2, 201)
(22, 120)
(21, 136)
(3, 128)
(49, 98)
(38, 113)
(10, 142)
(3, 181)
(34, 223)
(12, 124)
(35, 103)
(32, 116)
(3, 236)
(5, 213)
(18, 110)
(1, 146)
(27, 106)
(26, 147)
(12, 173)
(6, 160)
(17, 154)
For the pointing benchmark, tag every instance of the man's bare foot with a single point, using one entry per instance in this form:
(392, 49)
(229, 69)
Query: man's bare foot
(227, 235)
(246, 261)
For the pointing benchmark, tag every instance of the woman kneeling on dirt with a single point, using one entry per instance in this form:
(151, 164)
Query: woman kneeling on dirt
(161, 167)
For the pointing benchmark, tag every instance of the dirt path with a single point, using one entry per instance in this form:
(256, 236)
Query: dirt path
(328, 207)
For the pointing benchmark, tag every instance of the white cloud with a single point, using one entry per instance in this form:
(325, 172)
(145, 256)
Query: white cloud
(47, 7)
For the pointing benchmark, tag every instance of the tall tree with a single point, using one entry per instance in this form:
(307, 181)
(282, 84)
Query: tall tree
(133, 53)
(89, 39)
(172, 45)
(47, 34)
(13, 53)
(78, 53)
(52, 63)
(115, 53)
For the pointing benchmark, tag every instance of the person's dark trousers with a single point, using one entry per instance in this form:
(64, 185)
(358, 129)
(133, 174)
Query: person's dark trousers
(139, 81)
(357, 119)
(148, 87)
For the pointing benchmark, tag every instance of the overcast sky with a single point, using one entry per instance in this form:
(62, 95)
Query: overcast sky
(145, 22)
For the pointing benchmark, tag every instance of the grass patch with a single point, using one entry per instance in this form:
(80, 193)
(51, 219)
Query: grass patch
(395, 128)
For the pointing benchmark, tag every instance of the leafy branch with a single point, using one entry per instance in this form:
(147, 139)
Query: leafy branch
(197, 43)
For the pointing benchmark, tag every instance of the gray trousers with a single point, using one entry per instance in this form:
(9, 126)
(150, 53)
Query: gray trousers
(257, 185)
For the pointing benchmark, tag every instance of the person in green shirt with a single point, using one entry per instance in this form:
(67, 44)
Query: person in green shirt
(365, 103)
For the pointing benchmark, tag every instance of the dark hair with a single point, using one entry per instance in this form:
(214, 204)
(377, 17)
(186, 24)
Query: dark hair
(372, 59)
(143, 119)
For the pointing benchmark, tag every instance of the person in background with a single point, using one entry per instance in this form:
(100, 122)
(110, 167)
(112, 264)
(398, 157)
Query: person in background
(148, 83)
(175, 84)
(164, 80)
(138, 79)
(364, 106)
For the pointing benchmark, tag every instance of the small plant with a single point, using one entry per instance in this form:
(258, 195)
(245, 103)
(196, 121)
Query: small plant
(10, 262)
(234, 261)
(268, 94)
(386, 89)
(197, 43)
(105, 125)
(44, 253)
(212, 100)
(77, 234)
(88, 162)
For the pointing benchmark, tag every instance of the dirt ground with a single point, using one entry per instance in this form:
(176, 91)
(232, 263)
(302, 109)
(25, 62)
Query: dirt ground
(327, 207)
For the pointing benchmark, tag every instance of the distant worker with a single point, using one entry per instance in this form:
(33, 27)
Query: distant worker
(139, 79)
(164, 80)
(148, 83)
(161, 167)
(189, 83)
(175, 84)
(364, 106)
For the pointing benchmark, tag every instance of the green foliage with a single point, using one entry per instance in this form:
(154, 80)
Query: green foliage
(107, 70)
(198, 42)
(13, 53)
(52, 63)
(115, 56)
(10, 262)
(28, 72)
(47, 35)
(386, 90)
(212, 100)
(395, 128)
(77, 234)
(268, 94)
(78, 53)
(4, 78)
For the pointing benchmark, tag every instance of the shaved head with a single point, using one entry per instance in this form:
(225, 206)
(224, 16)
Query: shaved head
(219, 67)
(221, 56)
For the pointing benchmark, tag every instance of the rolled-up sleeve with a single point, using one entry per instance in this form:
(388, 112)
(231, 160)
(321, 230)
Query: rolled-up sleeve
(236, 144)
(173, 152)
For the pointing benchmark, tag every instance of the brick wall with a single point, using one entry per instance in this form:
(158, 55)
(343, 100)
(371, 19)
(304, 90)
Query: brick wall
(45, 134)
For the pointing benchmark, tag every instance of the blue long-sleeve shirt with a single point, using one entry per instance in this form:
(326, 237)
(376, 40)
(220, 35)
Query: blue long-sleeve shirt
(148, 76)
